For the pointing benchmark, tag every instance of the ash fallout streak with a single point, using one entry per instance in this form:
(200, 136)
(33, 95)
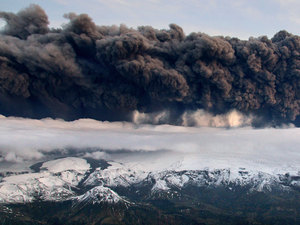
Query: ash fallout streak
(108, 72)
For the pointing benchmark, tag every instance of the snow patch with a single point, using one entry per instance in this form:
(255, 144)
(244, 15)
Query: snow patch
(69, 163)
(160, 185)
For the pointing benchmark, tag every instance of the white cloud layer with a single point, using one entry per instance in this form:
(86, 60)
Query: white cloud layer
(23, 139)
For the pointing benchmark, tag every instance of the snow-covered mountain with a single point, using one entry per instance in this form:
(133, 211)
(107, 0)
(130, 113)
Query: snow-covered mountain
(75, 179)
(54, 182)
(100, 194)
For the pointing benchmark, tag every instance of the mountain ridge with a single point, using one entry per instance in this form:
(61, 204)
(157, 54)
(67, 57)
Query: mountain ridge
(73, 178)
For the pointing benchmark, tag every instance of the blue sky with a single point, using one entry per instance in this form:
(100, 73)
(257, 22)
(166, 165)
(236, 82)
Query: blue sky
(238, 18)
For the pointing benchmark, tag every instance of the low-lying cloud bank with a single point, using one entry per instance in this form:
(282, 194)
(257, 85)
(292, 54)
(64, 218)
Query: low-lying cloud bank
(26, 139)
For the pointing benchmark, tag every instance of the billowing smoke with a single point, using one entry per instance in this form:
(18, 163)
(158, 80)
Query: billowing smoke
(198, 118)
(109, 72)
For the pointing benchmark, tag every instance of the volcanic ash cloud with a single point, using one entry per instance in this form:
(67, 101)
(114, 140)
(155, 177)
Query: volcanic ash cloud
(108, 72)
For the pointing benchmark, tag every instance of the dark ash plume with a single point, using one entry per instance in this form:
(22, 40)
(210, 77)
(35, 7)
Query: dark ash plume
(108, 72)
